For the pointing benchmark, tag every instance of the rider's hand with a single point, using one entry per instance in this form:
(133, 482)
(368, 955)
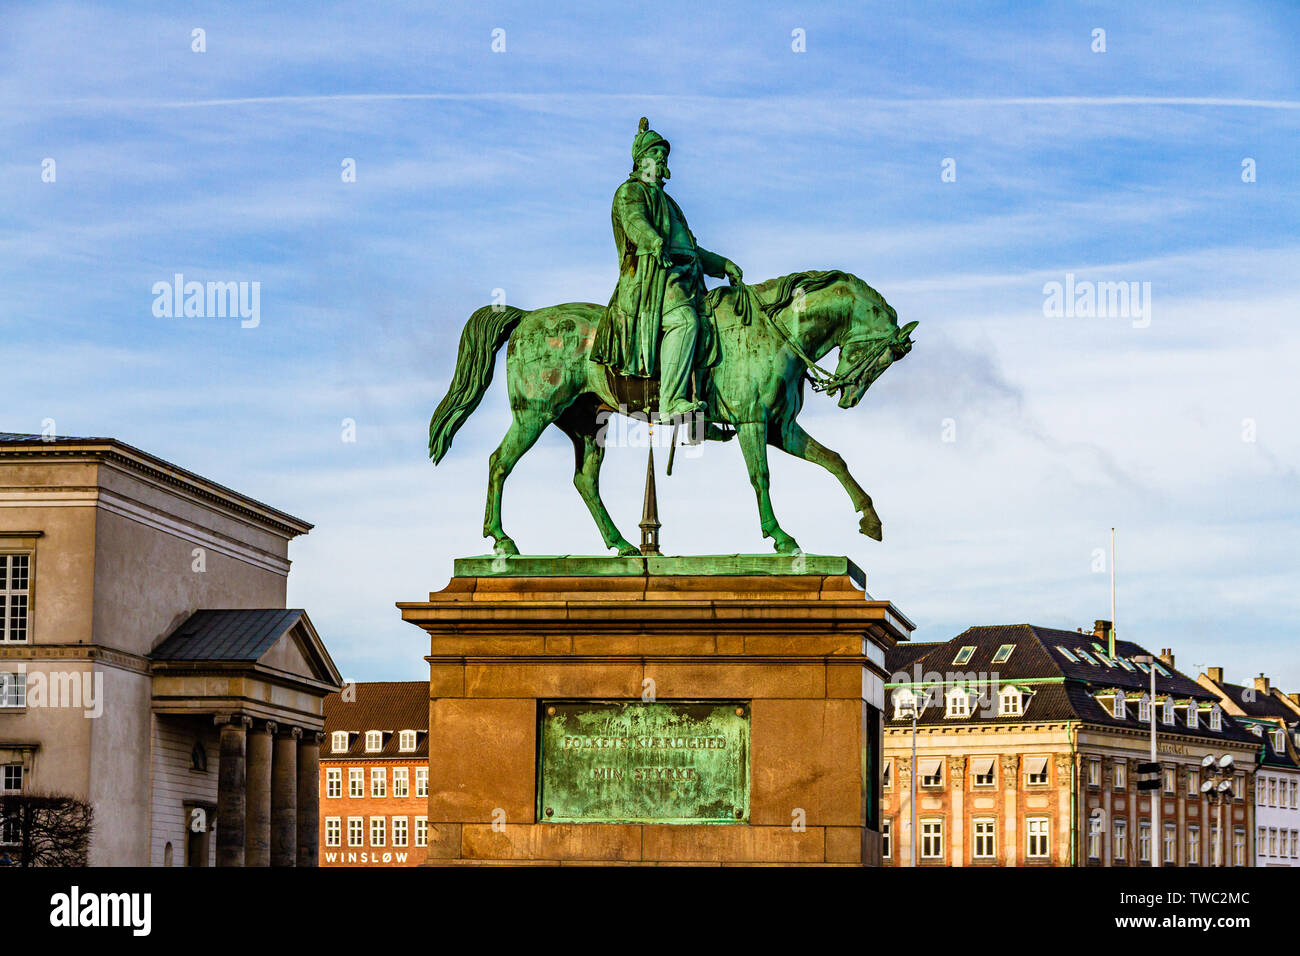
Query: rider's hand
(733, 272)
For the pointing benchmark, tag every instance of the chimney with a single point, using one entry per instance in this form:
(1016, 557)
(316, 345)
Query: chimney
(1101, 630)
(1261, 684)
(1215, 674)
(1167, 656)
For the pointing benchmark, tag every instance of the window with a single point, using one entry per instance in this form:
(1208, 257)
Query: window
(1121, 774)
(1094, 771)
(1094, 840)
(339, 741)
(356, 782)
(1272, 791)
(1168, 715)
(1193, 715)
(14, 581)
(886, 847)
(1144, 709)
(1003, 653)
(13, 689)
(1171, 779)
(12, 780)
(421, 831)
(958, 703)
(984, 839)
(1169, 853)
(1238, 847)
(1085, 656)
(356, 834)
(1279, 741)
(1295, 793)
(1193, 846)
(401, 781)
(1216, 718)
(1142, 667)
(1010, 702)
(1216, 852)
(1193, 784)
(1295, 844)
(1123, 663)
(421, 781)
(378, 830)
(1036, 771)
(1065, 652)
(887, 774)
(333, 831)
(374, 741)
(198, 758)
(406, 741)
(1118, 709)
(1036, 838)
(1261, 791)
(1144, 842)
(1239, 787)
(399, 831)
(378, 782)
(964, 655)
(932, 839)
(931, 771)
(982, 770)
(1272, 841)
(333, 782)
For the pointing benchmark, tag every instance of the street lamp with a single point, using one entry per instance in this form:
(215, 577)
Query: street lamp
(1217, 786)
(1154, 765)
(907, 705)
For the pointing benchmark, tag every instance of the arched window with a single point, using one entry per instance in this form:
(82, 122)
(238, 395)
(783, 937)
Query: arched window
(199, 757)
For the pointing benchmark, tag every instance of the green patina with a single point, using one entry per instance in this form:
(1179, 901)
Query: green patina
(643, 762)
(570, 565)
(727, 362)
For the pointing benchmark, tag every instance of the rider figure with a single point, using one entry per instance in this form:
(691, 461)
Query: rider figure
(654, 321)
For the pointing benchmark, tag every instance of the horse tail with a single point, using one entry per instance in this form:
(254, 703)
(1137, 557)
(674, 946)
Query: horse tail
(484, 334)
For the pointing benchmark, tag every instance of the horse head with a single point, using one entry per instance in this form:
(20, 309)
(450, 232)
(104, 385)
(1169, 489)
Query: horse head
(870, 341)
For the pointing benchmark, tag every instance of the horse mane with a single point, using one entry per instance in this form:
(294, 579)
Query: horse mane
(776, 294)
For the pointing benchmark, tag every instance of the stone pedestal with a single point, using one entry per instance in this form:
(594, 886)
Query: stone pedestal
(792, 645)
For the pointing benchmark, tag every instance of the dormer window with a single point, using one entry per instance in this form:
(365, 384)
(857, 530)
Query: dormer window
(1118, 708)
(406, 741)
(1279, 741)
(1011, 702)
(964, 655)
(1216, 718)
(905, 703)
(1168, 717)
(958, 703)
(374, 741)
(1003, 653)
(339, 741)
(1193, 715)
(1144, 709)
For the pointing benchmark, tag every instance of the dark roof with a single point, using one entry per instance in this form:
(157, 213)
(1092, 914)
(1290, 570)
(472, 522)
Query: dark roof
(1255, 703)
(165, 469)
(386, 706)
(1273, 756)
(1060, 688)
(235, 635)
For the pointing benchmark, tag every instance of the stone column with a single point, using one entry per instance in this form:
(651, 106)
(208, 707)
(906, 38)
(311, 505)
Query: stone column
(309, 799)
(1107, 788)
(903, 787)
(1010, 808)
(957, 832)
(230, 790)
(284, 799)
(1181, 777)
(257, 832)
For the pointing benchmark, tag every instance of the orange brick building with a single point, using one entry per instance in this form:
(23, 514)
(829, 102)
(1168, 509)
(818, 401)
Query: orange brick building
(374, 775)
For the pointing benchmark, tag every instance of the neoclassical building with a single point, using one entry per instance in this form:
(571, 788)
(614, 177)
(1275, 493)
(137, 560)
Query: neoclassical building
(1029, 746)
(148, 664)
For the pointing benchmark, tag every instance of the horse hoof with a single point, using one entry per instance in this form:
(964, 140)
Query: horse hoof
(505, 546)
(788, 546)
(628, 551)
(870, 525)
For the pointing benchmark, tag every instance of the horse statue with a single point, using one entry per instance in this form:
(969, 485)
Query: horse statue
(770, 337)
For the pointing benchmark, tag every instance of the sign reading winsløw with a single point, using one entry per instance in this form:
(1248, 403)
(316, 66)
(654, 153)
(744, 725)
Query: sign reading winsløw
(639, 762)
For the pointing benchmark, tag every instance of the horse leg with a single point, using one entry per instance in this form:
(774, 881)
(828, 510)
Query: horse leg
(752, 444)
(579, 423)
(525, 429)
(795, 441)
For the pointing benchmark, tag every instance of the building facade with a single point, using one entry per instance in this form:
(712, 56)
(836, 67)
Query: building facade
(148, 664)
(1274, 718)
(1028, 744)
(374, 775)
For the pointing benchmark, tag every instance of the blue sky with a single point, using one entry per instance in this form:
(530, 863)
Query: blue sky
(479, 170)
